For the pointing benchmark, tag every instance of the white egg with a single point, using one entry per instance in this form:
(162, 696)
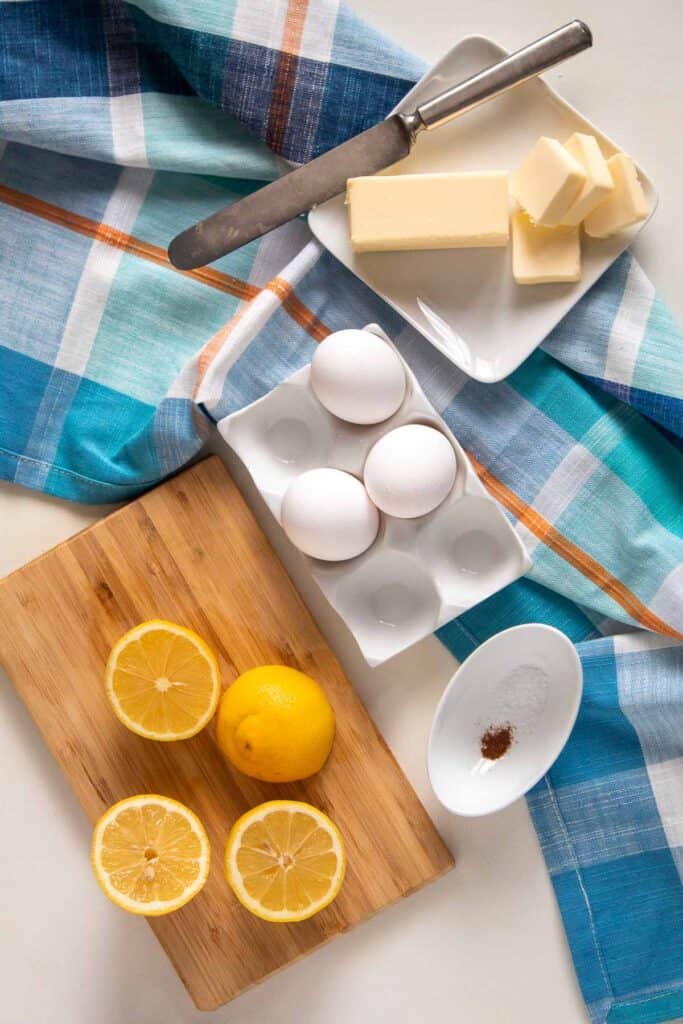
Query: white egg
(410, 470)
(327, 514)
(358, 377)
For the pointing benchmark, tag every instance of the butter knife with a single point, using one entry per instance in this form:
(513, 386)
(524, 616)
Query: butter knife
(378, 147)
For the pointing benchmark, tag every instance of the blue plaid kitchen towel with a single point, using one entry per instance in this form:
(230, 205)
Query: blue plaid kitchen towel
(124, 122)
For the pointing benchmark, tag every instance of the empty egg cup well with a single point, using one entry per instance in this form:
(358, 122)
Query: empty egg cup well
(282, 435)
(389, 602)
(466, 541)
(419, 573)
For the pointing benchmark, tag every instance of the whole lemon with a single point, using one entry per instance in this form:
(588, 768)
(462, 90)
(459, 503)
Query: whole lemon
(275, 724)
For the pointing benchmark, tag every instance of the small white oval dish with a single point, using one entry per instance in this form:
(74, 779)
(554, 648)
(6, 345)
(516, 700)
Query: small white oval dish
(528, 678)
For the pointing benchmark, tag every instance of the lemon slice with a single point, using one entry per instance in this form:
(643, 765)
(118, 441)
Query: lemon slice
(150, 854)
(285, 860)
(163, 681)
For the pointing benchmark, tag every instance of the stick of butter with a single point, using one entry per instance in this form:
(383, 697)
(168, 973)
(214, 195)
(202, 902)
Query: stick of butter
(547, 182)
(599, 184)
(544, 255)
(428, 211)
(624, 206)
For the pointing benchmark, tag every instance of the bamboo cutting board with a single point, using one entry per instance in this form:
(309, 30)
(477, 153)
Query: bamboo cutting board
(191, 551)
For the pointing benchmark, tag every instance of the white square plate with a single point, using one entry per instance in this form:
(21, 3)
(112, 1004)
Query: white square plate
(465, 301)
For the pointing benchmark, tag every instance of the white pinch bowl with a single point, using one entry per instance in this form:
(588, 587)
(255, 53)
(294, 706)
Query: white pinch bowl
(529, 677)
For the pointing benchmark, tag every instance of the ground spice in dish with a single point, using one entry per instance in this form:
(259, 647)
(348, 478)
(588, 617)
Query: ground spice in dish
(496, 741)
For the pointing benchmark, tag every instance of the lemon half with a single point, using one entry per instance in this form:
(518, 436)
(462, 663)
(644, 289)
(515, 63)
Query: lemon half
(163, 681)
(285, 860)
(150, 854)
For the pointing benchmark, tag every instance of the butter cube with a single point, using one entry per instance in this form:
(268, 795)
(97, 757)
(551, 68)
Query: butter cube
(624, 206)
(543, 255)
(548, 182)
(599, 182)
(428, 211)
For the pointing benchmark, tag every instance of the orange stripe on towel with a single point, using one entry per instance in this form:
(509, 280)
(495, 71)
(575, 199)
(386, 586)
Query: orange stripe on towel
(119, 240)
(295, 308)
(576, 556)
(155, 254)
(285, 74)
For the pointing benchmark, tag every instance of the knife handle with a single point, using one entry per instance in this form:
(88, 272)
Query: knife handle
(526, 63)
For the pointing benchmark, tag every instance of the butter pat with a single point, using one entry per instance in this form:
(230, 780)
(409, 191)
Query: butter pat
(598, 186)
(428, 211)
(624, 206)
(548, 182)
(544, 255)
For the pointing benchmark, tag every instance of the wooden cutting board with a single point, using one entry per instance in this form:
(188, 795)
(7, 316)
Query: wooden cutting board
(191, 551)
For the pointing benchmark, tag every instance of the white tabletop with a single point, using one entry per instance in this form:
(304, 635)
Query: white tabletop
(485, 944)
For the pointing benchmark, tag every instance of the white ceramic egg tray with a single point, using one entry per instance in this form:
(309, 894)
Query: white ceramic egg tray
(419, 573)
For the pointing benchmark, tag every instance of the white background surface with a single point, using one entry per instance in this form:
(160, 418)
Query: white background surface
(485, 944)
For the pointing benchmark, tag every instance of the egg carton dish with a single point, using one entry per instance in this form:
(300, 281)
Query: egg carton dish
(393, 571)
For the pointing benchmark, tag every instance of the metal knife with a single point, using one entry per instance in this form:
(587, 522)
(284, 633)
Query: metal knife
(378, 147)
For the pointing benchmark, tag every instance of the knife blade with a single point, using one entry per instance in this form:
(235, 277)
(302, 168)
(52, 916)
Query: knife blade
(294, 193)
(371, 151)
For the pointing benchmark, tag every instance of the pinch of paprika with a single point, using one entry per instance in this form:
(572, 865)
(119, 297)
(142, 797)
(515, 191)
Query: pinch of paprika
(496, 741)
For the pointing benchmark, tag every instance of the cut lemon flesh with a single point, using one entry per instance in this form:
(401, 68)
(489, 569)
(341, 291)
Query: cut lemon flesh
(163, 681)
(150, 854)
(285, 860)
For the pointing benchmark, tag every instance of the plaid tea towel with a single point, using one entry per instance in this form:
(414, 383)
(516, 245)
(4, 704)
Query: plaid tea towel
(122, 123)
